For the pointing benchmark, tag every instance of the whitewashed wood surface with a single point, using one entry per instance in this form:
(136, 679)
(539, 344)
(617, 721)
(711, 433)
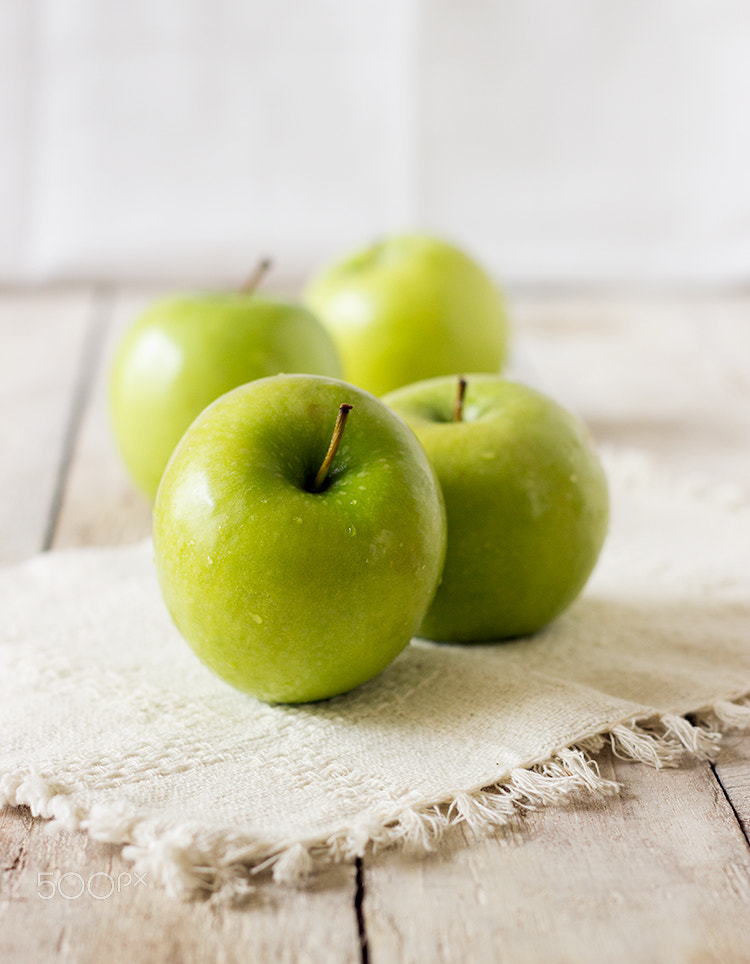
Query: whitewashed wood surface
(660, 874)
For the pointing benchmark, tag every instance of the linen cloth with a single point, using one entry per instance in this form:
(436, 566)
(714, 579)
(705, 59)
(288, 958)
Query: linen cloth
(110, 724)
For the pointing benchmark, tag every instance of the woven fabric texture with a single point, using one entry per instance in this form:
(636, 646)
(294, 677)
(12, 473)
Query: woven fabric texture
(109, 724)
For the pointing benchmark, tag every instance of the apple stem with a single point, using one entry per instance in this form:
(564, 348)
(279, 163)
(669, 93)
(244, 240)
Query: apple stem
(458, 411)
(338, 431)
(255, 277)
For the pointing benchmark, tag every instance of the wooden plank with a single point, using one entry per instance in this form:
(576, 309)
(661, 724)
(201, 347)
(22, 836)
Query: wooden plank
(42, 341)
(669, 375)
(65, 898)
(318, 924)
(661, 874)
(733, 772)
(100, 504)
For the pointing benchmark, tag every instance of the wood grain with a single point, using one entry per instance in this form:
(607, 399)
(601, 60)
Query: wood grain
(733, 772)
(100, 505)
(64, 898)
(669, 375)
(660, 875)
(43, 339)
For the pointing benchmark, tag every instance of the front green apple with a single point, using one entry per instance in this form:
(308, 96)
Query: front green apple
(407, 309)
(185, 351)
(526, 501)
(291, 589)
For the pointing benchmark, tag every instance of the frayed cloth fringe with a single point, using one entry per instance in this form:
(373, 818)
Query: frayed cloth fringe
(225, 866)
(664, 742)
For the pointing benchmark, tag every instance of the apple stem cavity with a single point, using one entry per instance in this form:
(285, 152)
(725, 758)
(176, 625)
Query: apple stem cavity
(255, 277)
(338, 431)
(458, 411)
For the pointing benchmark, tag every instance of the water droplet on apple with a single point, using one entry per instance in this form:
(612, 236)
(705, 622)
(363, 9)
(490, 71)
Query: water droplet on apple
(256, 618)
(354, 501)
(352, 531)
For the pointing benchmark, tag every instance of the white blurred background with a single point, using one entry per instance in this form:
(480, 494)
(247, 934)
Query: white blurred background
(561, 141)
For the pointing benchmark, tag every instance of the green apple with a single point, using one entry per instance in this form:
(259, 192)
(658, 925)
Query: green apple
(526, 501)
(187, 350)
(295, 571)
(407, 309)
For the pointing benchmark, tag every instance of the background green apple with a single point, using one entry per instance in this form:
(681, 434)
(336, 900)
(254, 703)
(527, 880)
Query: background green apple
(185, 351)
(287, 593)
(407, 309)
(526, 501)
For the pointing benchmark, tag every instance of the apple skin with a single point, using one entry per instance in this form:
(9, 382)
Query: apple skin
(410, 308)
(187, 350)
(288, 594)
(526, 501)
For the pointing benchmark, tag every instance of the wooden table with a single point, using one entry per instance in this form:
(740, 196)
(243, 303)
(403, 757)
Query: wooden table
(660, 874)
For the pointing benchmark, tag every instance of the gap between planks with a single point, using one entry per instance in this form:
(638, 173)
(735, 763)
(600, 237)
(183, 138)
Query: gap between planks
(100, 318)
